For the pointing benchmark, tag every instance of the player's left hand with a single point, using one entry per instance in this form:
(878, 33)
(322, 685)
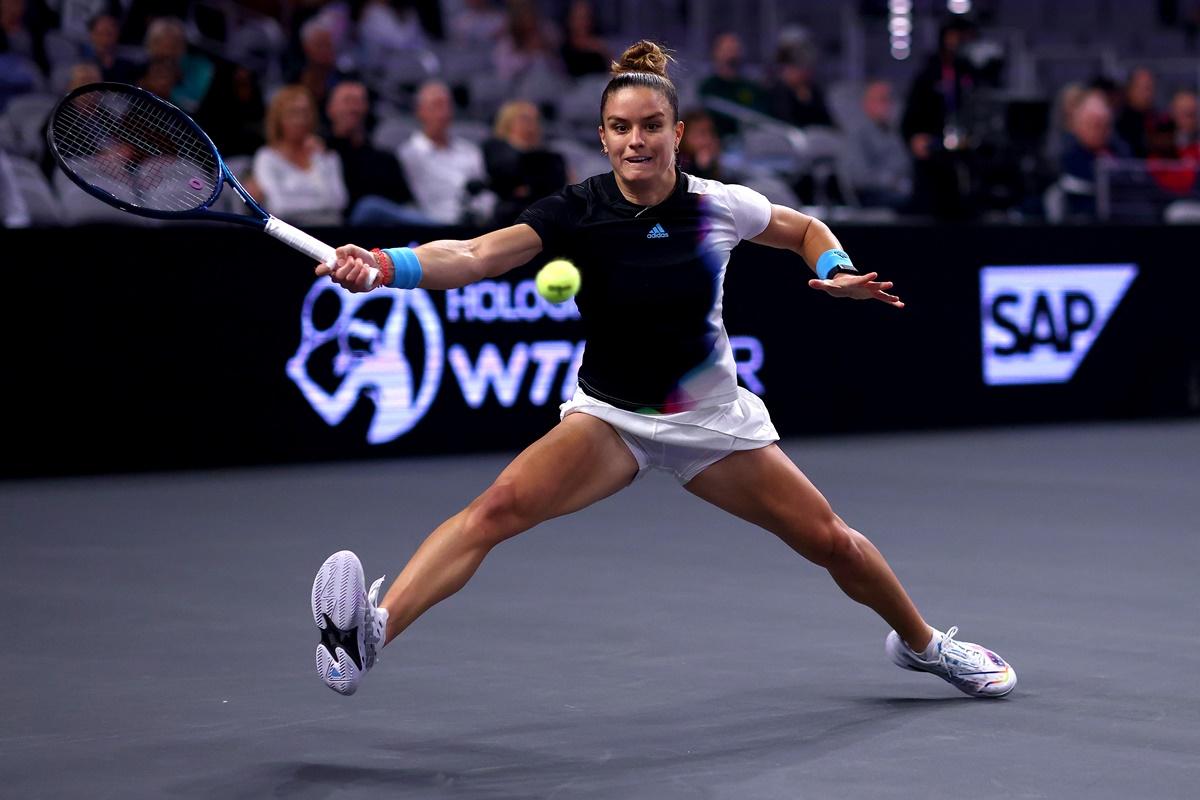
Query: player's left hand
(858, 287)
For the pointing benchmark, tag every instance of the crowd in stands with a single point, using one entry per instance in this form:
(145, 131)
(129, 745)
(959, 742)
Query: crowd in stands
(462, 112)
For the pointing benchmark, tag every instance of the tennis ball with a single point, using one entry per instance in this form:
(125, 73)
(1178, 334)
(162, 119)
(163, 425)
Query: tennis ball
(558, 280)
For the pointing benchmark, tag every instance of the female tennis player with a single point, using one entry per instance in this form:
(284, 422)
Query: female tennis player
(657, 386)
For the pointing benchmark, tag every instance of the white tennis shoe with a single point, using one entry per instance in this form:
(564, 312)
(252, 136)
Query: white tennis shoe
(972, 669)
(352, 626)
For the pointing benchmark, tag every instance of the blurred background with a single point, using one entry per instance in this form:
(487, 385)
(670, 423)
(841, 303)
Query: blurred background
(881, 110)
(942, 138)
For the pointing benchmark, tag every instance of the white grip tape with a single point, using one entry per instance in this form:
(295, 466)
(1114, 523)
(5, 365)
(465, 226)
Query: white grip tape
(310, 246)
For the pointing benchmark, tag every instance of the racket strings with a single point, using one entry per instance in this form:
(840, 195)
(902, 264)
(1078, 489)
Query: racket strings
(140, 152)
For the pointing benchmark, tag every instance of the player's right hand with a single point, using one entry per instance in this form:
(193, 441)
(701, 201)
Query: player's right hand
(350, 269)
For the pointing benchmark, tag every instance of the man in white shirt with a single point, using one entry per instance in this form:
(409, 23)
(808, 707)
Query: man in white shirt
(440, 167)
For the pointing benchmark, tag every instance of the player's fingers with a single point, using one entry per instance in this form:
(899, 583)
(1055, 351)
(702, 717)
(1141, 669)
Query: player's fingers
(354, 278)
(323, 270)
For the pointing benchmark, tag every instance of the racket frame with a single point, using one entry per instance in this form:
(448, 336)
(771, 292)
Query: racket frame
(260, 218)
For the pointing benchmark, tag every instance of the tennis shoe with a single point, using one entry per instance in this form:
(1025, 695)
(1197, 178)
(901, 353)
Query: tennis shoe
(969, 667)
(351, 623)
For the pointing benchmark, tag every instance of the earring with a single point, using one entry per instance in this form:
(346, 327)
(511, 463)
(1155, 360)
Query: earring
(604, 150)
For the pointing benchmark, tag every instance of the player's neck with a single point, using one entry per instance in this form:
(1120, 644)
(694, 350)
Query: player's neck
(648, 194)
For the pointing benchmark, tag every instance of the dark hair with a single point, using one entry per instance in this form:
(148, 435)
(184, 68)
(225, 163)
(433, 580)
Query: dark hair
(644, 63)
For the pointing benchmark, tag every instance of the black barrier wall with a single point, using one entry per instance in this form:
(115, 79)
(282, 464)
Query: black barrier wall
(203, 346)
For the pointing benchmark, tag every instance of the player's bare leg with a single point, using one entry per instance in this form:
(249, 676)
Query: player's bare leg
(580, 461)
(764, 487)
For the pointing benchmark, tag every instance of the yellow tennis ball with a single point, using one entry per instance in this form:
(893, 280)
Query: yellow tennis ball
(558, 280)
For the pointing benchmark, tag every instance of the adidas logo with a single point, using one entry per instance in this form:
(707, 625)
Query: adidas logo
(334, 672)
(657, 232)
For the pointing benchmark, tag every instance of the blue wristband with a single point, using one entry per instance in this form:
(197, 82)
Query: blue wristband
(408, 268)
(830, 259)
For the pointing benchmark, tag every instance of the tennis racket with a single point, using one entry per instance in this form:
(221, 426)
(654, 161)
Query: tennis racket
(136, 151)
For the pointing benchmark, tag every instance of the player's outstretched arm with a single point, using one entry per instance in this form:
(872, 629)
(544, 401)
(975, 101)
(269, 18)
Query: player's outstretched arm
(444, 264)
(811, 239)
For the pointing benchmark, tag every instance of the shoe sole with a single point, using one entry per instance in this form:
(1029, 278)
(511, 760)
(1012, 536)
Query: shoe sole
(338, 596)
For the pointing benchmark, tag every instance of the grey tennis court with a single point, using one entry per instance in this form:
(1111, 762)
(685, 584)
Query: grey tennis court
(159, 642)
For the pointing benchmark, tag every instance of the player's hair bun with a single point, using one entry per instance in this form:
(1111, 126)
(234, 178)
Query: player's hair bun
(643, 56)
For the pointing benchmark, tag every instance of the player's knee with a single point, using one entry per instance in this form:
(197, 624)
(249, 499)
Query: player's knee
(836, 544)
(495, 515)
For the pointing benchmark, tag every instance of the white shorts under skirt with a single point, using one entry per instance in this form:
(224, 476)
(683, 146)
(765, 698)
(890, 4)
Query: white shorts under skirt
(688, 442)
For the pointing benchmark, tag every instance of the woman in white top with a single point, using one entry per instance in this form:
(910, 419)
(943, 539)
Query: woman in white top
(301, 181)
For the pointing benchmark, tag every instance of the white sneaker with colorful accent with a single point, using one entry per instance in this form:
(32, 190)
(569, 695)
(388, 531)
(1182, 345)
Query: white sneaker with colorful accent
(971, 668)
(352, 626)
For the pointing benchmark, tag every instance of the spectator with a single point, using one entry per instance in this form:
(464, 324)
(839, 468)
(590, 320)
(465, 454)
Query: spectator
(877, 162)
(1173, 147)
(319, 71)
(161, 76)
(378, 192)
(1186, 121)
(480, 24)
(19, 72)
(446, 173)
(932, 126)
(166, 40)
(1058, 136)
(1166, 165)
(700, 149)
(529, 42)
(520, 170)
(102, 47)
(232, 111)
(583, 52)
(301, 181)
(1091, 139)
(15, 38)
(82, 74)
(1138, 116)
(728, 83)
(795, 97)
(74, 17)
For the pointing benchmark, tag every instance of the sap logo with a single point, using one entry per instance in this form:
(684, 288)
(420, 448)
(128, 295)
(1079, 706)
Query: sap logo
(1038, 323)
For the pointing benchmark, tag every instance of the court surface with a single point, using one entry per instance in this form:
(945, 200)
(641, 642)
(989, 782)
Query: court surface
(158, 638)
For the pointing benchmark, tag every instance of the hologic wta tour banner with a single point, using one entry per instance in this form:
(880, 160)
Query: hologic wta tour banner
(221, 359)
(395, 350)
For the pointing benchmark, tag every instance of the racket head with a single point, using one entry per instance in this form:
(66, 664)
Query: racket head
(138, 152)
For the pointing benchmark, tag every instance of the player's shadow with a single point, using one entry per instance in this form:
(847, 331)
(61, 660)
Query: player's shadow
(651, 754)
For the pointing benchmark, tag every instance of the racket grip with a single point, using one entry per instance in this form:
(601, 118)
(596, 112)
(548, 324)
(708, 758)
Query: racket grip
(309, 245)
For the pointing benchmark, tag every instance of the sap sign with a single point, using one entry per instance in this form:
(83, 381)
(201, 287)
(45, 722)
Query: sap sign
(1038, 322)
(392, 349)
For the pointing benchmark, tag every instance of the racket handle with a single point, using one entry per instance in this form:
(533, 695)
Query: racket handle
(309, 245)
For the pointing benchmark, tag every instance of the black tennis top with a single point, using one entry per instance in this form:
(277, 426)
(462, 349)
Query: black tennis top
(651, 287)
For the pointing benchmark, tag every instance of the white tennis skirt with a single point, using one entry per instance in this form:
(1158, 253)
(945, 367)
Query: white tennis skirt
(687, 442)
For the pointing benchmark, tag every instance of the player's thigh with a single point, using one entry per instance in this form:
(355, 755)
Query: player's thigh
(764, 487)
(578, 462)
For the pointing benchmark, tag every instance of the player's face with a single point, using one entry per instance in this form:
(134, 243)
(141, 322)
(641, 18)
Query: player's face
(641, 135)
